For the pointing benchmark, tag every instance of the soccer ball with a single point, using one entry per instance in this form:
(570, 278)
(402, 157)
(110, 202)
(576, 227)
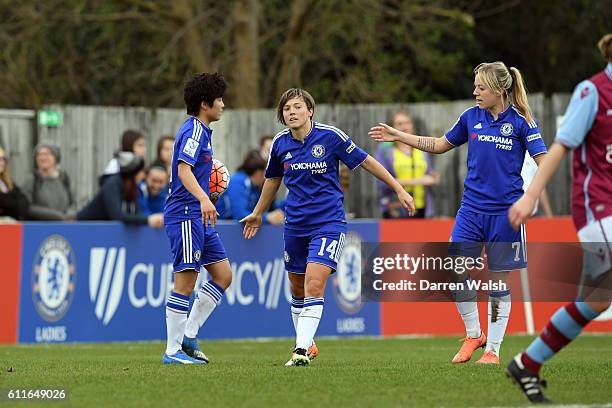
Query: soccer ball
(219, 180)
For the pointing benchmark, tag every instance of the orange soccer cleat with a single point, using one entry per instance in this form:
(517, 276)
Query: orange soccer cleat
(313, 351)
(488, 357)
(468, 347)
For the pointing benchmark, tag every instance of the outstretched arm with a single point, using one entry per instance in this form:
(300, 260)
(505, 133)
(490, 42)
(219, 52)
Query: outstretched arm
(547, 165)
(253, 221)
(378, 171)
(386, 133)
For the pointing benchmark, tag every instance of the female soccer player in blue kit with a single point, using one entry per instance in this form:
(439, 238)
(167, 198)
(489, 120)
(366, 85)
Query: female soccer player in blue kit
(307, 155)
(498, 130)
(190, 218)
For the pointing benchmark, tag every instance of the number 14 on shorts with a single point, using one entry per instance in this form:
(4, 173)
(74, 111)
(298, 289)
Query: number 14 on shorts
(331, 248)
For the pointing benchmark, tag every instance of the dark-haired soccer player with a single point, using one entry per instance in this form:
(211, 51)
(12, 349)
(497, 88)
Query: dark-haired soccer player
(498, 130)
(307, 156)
(190, 218)
(587, 129)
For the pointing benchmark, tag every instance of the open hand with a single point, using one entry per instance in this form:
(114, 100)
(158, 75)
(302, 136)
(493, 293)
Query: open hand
(156, 220)
(209, 213)
(407, 202)
(252, 222)
(384, 133)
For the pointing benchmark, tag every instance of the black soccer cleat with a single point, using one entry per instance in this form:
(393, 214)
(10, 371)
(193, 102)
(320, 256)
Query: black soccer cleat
(300, 357)
(530, 383)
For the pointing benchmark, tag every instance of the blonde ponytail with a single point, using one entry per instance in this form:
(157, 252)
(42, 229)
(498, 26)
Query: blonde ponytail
(508, 83)
(519, 94)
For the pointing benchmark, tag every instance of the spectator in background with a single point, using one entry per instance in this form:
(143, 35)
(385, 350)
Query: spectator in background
(48, 187)
(13, 203)
(244, 190)
(131, 141)
(265, 144)
(344, 176)
(118, 196)
(165, 147)
(411, 167)
(153, 190)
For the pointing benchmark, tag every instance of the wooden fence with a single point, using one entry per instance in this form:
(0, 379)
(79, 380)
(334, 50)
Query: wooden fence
(90, 135)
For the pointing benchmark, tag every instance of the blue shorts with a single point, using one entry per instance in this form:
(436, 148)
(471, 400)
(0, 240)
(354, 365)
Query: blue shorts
(506, 248)
(193, 246)
(323, 245)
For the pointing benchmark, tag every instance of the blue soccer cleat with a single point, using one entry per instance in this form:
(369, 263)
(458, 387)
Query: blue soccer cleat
(193, 350)
(180, 358)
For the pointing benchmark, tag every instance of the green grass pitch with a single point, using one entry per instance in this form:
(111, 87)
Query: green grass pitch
(352, 372)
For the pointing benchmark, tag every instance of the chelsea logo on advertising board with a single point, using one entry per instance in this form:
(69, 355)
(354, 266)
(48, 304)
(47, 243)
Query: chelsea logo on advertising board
(318, 151)
(347, 282)
(506, 129)
(53, 278)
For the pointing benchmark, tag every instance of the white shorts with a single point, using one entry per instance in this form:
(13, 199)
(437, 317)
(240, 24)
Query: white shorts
(596, 238)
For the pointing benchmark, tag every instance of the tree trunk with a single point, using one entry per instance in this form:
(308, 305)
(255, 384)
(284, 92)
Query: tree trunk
(290, 66)
(244, 87)
(195, 45)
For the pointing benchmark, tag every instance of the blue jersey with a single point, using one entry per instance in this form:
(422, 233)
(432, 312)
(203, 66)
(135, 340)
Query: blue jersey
(495, 158)
(192, 146)
(310, 170)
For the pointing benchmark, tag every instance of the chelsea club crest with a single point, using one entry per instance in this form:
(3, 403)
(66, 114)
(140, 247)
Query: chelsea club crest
(318, 151)
(53, 278)
(347, 282)
(506, 129)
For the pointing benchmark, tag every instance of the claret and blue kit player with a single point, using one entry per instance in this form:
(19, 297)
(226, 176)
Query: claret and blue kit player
(586, 129)
(190, 218)
(307, 155)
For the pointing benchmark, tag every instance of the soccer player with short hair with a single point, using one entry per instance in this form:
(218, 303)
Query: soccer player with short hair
(586, 129)
(307, 156)
(498, 131)
(190, 219)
